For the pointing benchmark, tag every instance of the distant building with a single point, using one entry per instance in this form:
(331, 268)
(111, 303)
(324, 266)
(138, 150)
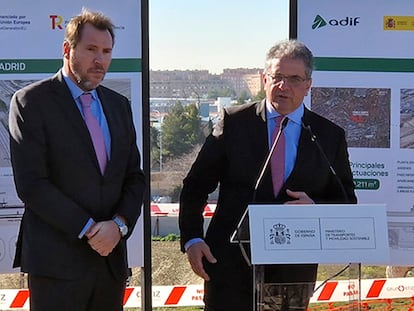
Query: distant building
(185, 84)
(244, 80)
(204, 110)
(201, 84)
(222, 102)
(254, 83)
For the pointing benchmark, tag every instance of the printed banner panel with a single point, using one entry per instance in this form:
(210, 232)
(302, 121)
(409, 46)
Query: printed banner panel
(32, 34)
(364, 68)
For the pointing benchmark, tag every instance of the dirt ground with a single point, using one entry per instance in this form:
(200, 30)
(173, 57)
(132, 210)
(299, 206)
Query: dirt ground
(169, 267)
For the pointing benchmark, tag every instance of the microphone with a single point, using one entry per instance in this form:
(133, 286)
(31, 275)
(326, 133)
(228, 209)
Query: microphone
(322, 152)
(242, 228)
(265, 165)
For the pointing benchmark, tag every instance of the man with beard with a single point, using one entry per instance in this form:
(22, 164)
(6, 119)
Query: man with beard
(77, 169)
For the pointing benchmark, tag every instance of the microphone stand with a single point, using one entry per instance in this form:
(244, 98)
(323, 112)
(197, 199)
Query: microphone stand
(341, 185)
(265, 165)
(322, 152)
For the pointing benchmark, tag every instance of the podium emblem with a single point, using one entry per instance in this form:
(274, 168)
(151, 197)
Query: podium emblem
(279, 234)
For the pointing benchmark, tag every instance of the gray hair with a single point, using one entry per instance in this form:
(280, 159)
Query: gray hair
(291, 49)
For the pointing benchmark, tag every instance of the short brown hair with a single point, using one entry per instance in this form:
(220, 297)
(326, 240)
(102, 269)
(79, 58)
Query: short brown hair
(97, 19)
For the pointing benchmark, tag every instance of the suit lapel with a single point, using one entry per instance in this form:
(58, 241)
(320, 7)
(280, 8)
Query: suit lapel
(109, 115)
(259, 141)
(116, 125)
(63, 98)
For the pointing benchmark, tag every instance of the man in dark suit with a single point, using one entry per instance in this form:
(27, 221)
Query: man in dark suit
(81, 200)
(232, 158)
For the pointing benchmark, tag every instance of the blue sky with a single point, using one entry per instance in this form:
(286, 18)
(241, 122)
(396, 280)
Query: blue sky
(214, 34)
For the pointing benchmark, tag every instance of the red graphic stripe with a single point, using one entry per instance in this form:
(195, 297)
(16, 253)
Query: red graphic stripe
(155, 208)
(375, 289)
(20, 299)
(175, 295)
(208, 212)
(327, 291)
(127, 294)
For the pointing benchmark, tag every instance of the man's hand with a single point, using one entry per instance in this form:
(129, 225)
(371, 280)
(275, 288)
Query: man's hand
(195, 254)
(299, 197)
(103, 237)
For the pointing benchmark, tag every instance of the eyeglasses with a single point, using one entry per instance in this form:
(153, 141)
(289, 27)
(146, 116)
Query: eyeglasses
(289, 80)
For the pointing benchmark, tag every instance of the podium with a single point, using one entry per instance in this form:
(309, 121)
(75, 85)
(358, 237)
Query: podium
(274, 235)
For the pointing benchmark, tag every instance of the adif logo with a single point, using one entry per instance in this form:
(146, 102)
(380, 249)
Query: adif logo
(319, 22)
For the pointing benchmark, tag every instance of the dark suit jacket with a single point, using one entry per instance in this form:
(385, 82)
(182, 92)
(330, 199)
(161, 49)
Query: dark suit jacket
(57, 177)
(232, 157)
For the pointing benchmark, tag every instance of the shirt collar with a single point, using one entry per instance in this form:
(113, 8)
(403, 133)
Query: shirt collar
(295, 116)
(75, 90)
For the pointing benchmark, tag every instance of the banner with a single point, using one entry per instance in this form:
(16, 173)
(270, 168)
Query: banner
(32, 35)
(364, 68)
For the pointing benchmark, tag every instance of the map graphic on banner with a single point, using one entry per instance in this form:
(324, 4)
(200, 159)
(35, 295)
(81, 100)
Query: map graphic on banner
(33, 33)
(363, 81)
